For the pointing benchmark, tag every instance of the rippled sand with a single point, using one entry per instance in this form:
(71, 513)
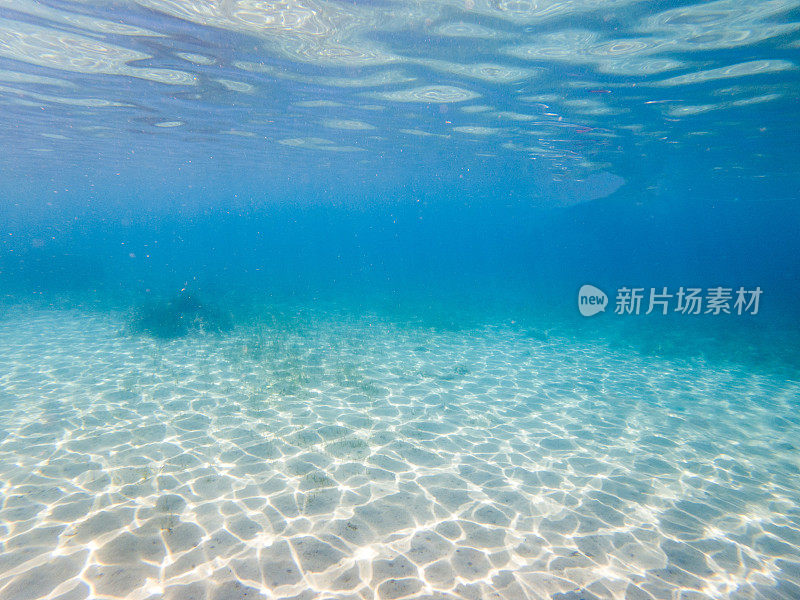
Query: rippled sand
(334, 458)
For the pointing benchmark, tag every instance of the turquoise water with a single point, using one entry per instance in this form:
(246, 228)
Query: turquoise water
(446, 300)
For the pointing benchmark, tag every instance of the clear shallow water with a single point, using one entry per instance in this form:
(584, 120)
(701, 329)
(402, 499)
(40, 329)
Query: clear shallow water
(319, 456)
(288, 300)
(562, 91)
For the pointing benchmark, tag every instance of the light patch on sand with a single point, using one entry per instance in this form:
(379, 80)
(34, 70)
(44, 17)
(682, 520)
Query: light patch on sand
(315, 450)
(431, 94)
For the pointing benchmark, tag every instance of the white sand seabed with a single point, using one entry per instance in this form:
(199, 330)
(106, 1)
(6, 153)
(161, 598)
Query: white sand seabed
(356, 459)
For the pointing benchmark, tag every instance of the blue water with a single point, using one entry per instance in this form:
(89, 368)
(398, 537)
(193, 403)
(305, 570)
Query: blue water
(314, 173)
(634, 145)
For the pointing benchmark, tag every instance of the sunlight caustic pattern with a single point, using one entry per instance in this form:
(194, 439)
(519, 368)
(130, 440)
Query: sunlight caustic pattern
(325, 458)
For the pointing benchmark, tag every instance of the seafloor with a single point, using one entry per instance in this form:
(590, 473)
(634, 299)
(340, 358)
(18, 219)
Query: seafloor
(341, 458)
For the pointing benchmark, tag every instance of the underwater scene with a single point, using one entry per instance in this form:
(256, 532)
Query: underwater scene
(399, 300)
